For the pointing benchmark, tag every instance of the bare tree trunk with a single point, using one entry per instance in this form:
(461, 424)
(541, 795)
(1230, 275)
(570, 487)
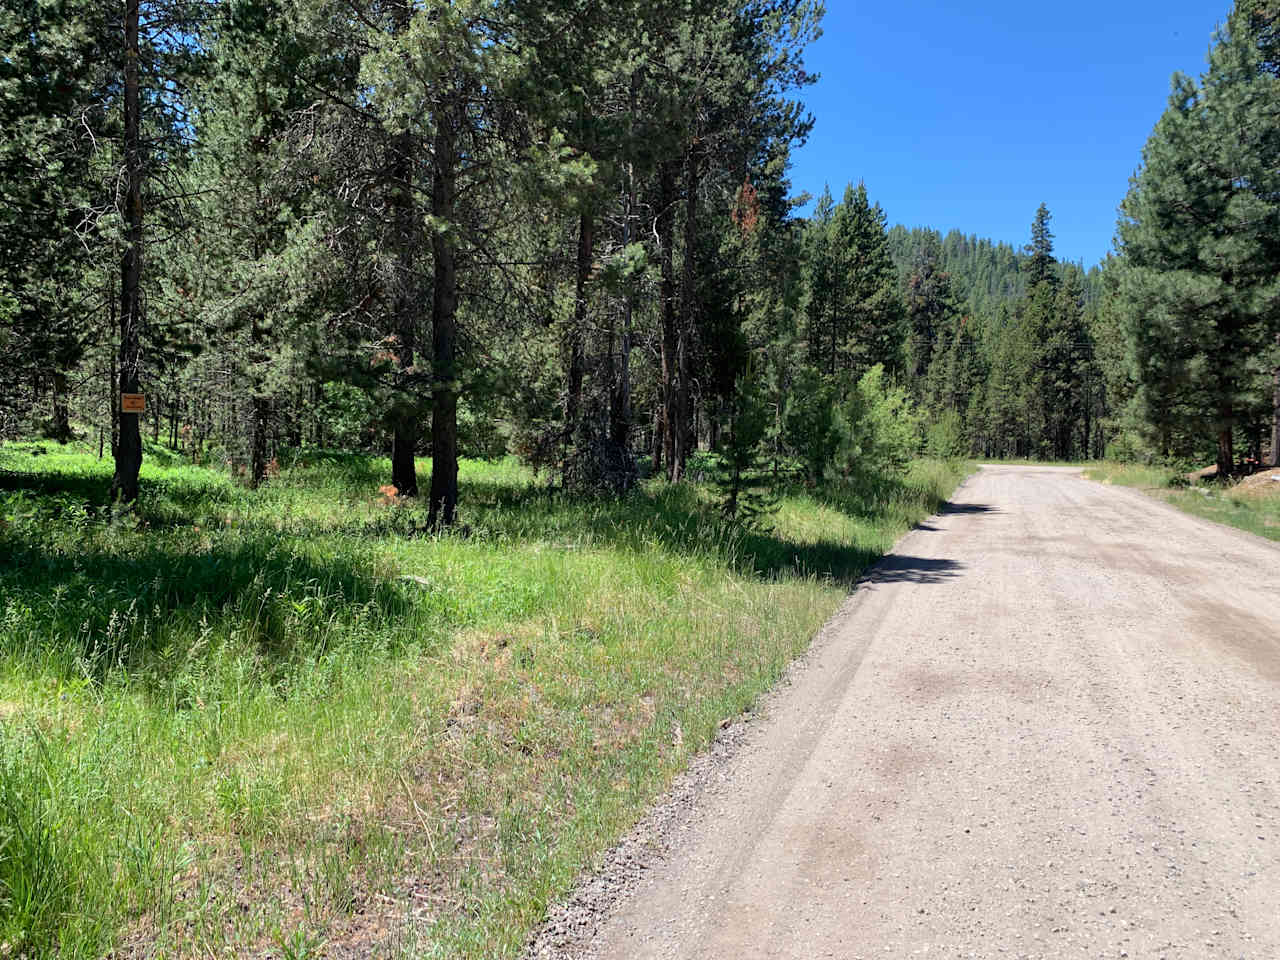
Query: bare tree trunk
(128, 450)
(444, 309)
(260, 404)
(670, 338)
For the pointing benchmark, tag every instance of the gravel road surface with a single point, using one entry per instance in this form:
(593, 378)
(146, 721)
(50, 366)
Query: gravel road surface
(1047, 725)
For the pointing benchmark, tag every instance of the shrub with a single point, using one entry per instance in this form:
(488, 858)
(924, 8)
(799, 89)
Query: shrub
(880, 427)
(945, 438)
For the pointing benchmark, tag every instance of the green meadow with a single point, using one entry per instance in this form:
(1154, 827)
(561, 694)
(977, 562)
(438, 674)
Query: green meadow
(294, 720)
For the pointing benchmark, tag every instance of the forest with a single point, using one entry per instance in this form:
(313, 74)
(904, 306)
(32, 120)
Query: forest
(545, 229)
(425, 424)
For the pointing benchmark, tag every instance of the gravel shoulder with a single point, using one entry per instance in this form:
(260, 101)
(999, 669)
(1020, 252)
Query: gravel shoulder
(1045, 726)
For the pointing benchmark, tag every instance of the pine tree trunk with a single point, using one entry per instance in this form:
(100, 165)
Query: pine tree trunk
(659, 440)
(1275, 417)
(259, 408)
(620, 401)
(404, 451)
(444, 308)
(128, 449)
(404, 442)
(295, 422)
(61, 409)
(577, 337)
(686, 437)
(1226, 452)
(670, 339)
(261, 416)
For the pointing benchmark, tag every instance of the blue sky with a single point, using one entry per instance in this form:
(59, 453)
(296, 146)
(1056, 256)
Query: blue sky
(967, 116)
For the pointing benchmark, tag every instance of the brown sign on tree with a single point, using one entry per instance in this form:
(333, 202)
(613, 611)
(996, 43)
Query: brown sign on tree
(132, 403)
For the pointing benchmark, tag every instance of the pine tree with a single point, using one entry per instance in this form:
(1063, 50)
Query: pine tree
(868, 306)
(250, 202)
(52, 105)
(1040, 261)
(1199, 266)
(822, 283)
(930, 308)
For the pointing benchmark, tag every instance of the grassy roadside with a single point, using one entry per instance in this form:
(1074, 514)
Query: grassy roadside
(290, 722)
(1039, 463)
(1247, 505)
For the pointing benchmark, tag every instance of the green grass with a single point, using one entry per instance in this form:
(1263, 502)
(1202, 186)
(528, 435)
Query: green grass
(1251, 507)
(1039, 463)
(290, 719)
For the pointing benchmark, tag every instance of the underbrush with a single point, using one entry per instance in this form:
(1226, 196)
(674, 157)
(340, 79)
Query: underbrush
(288, 720)
(1251, 504)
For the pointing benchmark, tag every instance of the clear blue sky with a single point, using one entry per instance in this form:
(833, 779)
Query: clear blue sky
(967, 116)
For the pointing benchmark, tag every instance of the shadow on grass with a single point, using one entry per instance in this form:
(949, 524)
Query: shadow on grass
(676, 520)
(129, 601)
(146, 606)
(160, 498)
(91, 489)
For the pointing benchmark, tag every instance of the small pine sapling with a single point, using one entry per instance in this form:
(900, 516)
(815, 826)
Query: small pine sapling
(747, 496)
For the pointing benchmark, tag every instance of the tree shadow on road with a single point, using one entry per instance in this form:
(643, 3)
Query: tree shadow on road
(951, 509)
(900, 568)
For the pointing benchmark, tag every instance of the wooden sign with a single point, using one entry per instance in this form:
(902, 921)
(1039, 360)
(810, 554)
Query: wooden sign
(132, 403)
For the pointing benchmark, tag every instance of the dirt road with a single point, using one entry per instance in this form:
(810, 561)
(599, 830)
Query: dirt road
(1048, 726)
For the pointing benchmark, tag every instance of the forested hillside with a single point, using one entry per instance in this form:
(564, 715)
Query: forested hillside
(1002, 346)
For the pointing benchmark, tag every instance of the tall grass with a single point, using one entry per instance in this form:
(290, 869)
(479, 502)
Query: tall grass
(292, 719)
